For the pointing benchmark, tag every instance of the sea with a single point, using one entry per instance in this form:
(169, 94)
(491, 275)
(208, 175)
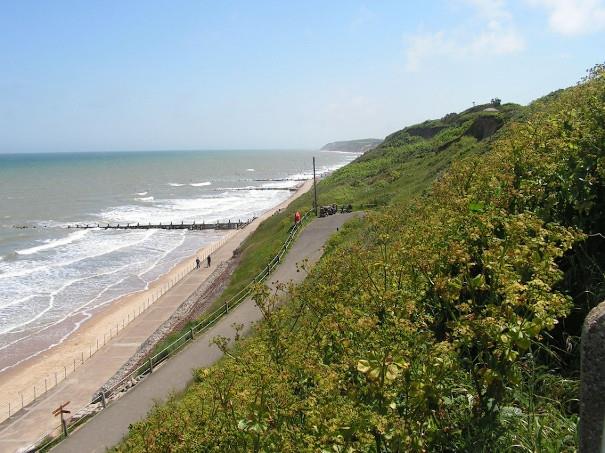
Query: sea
(53, 279)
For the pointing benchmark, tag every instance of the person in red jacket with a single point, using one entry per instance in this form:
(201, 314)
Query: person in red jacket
(297, 217)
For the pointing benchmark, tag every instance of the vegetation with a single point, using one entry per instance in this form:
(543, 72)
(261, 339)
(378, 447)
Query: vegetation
(446, 321)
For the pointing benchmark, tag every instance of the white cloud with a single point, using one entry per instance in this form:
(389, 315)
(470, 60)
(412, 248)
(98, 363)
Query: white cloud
(495, 34)
(573, 17)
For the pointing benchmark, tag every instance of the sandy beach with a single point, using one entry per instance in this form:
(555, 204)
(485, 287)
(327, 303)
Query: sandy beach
(57, 364)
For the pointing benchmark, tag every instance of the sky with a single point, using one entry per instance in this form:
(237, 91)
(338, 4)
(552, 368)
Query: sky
(161, 75)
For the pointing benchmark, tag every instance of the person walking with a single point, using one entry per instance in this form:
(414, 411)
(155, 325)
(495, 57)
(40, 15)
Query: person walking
(209, 260)
(197, 262)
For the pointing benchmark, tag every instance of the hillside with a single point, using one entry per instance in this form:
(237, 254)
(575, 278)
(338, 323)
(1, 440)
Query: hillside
(445, 320)
(354, 146)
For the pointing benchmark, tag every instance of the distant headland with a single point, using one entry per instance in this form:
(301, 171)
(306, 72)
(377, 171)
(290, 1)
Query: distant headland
(354, 146)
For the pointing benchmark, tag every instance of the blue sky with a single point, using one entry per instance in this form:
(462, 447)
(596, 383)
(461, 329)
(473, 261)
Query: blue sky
(134, 75)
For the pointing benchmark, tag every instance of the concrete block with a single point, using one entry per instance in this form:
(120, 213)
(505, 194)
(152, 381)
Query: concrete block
(592, 387)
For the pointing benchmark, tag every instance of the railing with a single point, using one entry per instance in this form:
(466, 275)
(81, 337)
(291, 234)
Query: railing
(46, 383)
(104, 397)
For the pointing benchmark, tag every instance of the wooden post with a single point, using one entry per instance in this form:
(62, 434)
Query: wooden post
(315, 207)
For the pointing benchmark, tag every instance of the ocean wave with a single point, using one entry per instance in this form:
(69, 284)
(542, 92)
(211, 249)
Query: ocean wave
(200, 184)
(144, 199)
(250, 169)
(51, 244)
(298, 176)
(89, 254)
(175, 184)
(222, 189)
(142, 194)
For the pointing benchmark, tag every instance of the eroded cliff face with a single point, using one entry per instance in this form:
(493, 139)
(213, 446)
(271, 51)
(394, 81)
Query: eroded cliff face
(425, 131)
(484, 126)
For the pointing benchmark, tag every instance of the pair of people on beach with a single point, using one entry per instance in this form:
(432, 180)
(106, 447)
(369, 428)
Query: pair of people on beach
(198, 262)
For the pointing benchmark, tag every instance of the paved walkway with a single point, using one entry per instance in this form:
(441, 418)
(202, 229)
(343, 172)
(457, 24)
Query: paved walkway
(28, 426)
(111, 425)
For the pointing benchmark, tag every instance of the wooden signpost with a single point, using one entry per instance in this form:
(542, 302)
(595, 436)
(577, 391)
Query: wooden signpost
(60, 411)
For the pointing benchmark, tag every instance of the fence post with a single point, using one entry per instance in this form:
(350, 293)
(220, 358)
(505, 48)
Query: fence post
(103, 400)
(151, 364)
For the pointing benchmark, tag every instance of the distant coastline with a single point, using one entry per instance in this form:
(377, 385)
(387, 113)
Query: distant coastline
(353, 146)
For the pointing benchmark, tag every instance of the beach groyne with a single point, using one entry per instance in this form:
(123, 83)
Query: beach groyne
(229, 225)
(167, 226)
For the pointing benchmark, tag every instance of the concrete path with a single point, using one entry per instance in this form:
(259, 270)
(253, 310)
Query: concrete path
(108, 427)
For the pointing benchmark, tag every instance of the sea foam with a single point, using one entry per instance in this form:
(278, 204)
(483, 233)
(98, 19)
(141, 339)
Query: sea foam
(51, 244)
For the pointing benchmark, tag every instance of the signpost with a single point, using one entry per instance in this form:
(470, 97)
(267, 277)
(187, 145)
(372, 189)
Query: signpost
(60, 411)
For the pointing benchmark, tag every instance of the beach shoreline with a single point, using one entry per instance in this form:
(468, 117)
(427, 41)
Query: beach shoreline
(31, 378)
